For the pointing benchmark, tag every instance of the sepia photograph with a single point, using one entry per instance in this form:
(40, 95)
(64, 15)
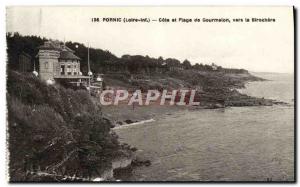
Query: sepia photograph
(150, 94)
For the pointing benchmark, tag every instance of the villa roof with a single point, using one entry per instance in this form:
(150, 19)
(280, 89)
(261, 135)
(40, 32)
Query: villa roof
(51, 46)
(67, 55)
(65, 52)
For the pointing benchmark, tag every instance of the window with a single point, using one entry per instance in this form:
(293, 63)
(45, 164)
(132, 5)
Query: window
(62, 69)
(69, 70)
(46, 65)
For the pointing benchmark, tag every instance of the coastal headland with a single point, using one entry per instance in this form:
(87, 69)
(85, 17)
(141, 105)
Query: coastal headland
(58, 133)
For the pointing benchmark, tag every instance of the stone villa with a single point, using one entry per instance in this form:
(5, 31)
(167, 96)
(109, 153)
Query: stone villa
(57, 61)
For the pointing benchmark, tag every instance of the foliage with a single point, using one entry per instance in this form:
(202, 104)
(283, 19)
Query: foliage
(55, 129)
(16, 44)
(103, 61)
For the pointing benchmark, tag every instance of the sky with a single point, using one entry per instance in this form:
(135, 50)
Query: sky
(255, 46)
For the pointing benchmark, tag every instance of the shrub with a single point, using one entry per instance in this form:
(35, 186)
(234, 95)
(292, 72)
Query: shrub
(55, 130)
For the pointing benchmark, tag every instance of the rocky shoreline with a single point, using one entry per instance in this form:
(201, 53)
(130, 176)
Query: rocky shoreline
(120, 118)
(120, 165)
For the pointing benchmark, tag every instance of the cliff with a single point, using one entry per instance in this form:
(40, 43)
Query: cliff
(56, 133)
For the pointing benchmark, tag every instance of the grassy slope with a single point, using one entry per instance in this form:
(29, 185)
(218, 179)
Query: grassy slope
(55, 130)
(213, 86)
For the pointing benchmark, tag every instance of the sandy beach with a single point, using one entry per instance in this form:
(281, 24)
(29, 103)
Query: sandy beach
(124, 114)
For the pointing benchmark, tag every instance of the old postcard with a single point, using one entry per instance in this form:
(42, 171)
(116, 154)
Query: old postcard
(163, 94)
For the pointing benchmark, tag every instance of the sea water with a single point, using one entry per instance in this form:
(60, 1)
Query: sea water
(232, 144)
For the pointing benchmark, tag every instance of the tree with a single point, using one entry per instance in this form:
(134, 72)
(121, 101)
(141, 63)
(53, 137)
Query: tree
(196, 66)
(186, 64)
